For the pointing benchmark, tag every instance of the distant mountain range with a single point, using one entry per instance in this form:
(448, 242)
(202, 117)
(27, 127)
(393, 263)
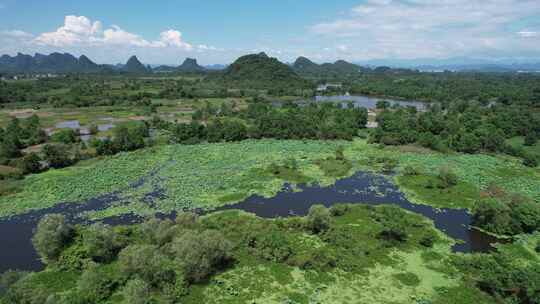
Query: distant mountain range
(53, 63)
(58, 63)
(457, 64)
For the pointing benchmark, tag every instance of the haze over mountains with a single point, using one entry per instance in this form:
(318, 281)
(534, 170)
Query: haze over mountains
(60, 63)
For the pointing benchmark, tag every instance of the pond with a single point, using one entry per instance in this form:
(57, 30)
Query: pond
(370, 102)
(361, 188)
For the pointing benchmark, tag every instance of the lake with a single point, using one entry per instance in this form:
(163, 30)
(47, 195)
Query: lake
(361, 188)
(370, 102)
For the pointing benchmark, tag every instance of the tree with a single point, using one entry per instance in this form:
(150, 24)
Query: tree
(201, 254)
(94, 285)
(105, 147)
(136, 291)
(56, 156)
(531, 139)
(9, 146)
(30, 163)
(447, 178)
(147, 263)
(318, 219)
(101, 242)
(66, 136)
(52, 234)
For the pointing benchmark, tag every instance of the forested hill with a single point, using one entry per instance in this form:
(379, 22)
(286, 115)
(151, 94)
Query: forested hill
(307, 68)
(190, 65)
(261, 71)
(53, 63)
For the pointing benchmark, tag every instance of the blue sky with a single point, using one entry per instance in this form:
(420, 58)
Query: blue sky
(167, 31)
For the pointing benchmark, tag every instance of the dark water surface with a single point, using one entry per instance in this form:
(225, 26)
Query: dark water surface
(362, 188)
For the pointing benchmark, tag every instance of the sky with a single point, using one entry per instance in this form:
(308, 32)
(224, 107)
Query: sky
(219, 31)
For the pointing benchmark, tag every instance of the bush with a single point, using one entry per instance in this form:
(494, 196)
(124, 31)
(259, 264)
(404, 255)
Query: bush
(447, 178)
(411, 171)
(187, 220)
(10, 277)
(52, 234)
(157, 232)
(318, 219)
(339, 209)
(30, 164)
(101, 242)
(94, 286)
(57, 156)
(136, 292)
(201, 254)
(66, 136)
(147, 263)
(530, 160)
(270, 245)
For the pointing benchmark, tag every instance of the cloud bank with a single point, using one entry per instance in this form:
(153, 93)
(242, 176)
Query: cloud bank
(435, 28)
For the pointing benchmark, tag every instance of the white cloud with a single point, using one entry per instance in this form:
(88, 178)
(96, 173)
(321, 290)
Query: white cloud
(81, 31)
(528, 34)
(76, 30)
(431, 28)
(16, 34)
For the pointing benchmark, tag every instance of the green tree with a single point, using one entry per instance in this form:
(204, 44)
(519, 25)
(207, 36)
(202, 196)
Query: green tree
(201, 254)
(52, 234)
(101, 242)
(318, 219)
(57, 156)
(136, 291)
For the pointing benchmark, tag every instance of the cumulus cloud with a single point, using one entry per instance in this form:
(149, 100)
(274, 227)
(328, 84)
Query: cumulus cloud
(432, 28)
(81, 31)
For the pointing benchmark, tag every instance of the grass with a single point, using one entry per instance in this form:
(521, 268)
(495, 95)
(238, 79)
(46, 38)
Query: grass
(423, 188)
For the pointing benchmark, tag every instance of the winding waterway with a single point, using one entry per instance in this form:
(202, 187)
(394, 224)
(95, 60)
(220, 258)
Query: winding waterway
(361, 188)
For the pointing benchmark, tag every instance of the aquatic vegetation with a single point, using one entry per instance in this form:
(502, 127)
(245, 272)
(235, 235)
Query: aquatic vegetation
(211, 175)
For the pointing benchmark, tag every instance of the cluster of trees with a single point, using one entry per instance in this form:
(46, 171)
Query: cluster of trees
(448, 87)
(463, 127)
(125, 138)
(503, 275)
(507, 214)
(159, 260)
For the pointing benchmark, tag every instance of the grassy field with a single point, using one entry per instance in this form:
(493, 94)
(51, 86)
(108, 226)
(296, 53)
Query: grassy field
(180, 109)
(210, 175)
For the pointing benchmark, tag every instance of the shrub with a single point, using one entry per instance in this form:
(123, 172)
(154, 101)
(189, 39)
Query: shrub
(147, 263)
(187, 220)
(270, 245)
(94, 286)
(318, 219)
(410, 171)
(447, 178)
(339, 209)
(136, 292)
(57, 156)
(201, 254)
(29, 164)
(52, 234)
(393, 235)
(66, 136)
(157, 232)
(101, 242)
